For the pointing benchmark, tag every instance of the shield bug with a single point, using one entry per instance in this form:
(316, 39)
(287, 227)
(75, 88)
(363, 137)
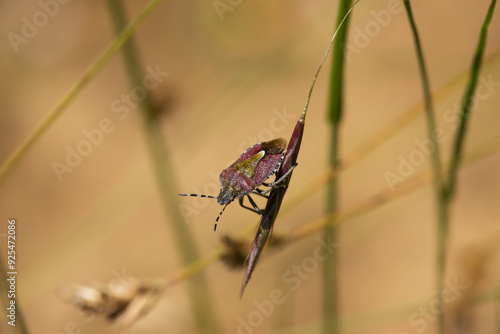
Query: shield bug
(245, 175)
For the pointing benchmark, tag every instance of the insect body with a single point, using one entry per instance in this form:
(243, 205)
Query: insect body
(245, 175)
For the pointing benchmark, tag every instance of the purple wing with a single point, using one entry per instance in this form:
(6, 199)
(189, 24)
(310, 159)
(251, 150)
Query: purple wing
(267, 167)
(269, 164)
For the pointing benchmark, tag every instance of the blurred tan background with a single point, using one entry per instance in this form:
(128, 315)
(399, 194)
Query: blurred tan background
(235, 79)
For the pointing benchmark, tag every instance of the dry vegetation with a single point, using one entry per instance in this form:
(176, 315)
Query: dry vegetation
(230, 84)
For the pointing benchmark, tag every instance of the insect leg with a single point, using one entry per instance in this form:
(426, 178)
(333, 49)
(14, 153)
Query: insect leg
(255, 207)
(272, 184)
(260, 192)
(276, 184)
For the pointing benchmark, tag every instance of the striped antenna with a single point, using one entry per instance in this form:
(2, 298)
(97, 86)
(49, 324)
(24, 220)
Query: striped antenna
(216, 220)
(197, 195)
(207, 196)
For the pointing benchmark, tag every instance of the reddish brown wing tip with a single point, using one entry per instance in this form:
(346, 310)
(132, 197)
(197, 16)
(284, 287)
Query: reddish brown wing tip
(275, 146)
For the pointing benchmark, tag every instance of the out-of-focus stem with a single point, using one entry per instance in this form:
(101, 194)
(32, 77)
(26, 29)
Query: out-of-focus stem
(201, 303)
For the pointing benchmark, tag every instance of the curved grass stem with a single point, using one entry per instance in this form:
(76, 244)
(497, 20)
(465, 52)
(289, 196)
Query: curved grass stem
(439, 184)
(445, 188)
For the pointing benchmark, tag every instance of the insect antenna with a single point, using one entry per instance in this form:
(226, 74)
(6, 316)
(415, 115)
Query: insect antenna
(217, 219)
(198, 195)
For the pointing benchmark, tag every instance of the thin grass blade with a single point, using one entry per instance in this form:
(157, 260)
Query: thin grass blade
(467, 102)
(200, 297)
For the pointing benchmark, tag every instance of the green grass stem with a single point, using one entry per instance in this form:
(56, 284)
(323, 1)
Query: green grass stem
(330, 266)
(445, 188)
(439, 185)
(467, 102)
(200, 296)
